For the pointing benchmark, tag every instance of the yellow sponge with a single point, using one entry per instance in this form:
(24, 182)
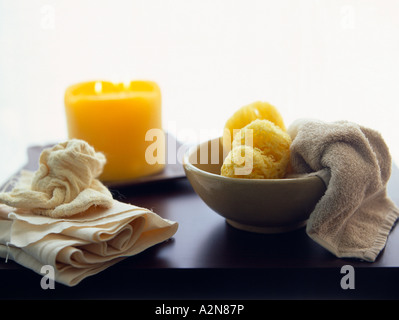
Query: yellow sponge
(260, 150)
(256, 110)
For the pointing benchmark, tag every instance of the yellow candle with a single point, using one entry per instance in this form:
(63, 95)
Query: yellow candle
(114, 118)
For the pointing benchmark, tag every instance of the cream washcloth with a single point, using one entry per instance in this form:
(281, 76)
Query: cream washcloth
(354, 217)
(64, 184)
(81, 237)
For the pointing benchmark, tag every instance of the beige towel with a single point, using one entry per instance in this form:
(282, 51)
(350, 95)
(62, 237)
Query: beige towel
(64, 217)
(82, 245)
(354, 217)
(64, 184)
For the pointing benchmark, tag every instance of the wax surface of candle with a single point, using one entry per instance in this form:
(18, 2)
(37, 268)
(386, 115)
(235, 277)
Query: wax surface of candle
(114, 119)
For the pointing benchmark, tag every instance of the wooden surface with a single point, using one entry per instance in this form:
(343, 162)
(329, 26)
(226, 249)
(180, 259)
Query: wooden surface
(207, 258)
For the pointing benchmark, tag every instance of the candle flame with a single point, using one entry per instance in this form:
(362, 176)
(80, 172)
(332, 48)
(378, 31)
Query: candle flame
(98, 87)
(126, 84)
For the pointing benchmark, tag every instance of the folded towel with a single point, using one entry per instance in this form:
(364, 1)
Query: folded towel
(62, 216)
(81, 245)
(354, 217)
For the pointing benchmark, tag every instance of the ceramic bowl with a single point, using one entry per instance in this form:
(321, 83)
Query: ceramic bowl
(255, 205)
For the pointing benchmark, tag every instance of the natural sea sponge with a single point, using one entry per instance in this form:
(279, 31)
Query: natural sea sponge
(260, 150)
(248, 113)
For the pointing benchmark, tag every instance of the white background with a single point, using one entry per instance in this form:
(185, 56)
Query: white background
(325, 59)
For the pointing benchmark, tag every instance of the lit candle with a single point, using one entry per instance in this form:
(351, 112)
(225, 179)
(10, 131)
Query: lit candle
(114, 118)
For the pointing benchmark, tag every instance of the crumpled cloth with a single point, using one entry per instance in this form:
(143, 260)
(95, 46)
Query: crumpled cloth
(354, 217)
(63, 216)
(65, 184)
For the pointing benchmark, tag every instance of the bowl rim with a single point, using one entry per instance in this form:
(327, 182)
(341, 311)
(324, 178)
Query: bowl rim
(189, 166)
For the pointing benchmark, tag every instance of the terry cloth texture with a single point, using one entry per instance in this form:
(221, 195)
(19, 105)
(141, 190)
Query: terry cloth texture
(354, 216)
